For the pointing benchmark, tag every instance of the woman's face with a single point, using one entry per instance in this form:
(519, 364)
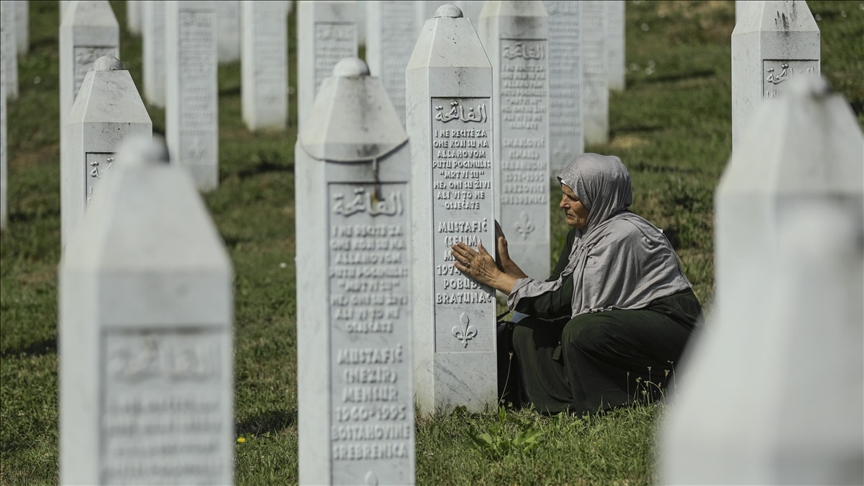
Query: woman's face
(575, 212)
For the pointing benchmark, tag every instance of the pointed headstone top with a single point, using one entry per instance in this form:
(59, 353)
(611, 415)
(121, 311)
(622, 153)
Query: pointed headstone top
(107, 63)
(785, 16)
(351, 67)
(448, 11)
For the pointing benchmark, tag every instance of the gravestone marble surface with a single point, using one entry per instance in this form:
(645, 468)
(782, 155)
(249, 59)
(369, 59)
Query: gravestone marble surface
(595, 90)
(615, 42)
(515, 35)
(107, 111)
(326, 34)
(8, 40)
(145, 332)
(789, 226)
(228, 33)
(264, 90)
(133, 16)
(355, 393)
(450, 123)
(192, 114)
(390, 39)
(63, 5)
(566, 137)
(153, 51)
(22, 27)
(88, 31)
(772, 43)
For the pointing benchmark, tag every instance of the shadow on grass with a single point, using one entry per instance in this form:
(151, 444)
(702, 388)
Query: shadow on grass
(642, 166)
(271, 421)
(671, 78)
(263, 168)
(230, 91)
(39, 348)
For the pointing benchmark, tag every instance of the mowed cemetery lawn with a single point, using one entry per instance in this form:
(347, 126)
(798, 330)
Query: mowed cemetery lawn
(671, 127)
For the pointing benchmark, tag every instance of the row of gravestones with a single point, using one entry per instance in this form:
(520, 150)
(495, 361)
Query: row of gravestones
(355, 330)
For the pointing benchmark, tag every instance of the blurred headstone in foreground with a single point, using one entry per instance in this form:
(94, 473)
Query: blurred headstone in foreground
(145, 333)
(773, 389)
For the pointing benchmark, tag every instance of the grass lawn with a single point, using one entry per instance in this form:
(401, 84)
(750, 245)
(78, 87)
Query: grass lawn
(671, 127)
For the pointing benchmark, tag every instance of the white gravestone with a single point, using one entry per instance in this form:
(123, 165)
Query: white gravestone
(773, 392)
(595, 91)
(145, 333)
(133, 16)
(4, 191)
(228, 33)
(326, 34)
(615, 43)
(153, 51)
(355, 397)
(88, 31)
(265, 65)
(22, 27)
(566, 138)
(7, 44)
(515, 35)
(191, 96)
(450, 120)
(390, 39)
(772, 43)
(107, 111)
(64, 5)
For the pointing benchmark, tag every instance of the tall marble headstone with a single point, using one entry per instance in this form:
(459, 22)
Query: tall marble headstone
(615, 42)
(4, 191)
(789, 408)
(145, 333)
(22, 26)
(8, 39)
(153, 51)
(326, 34)
(515, 35)
(133, 16)
(772, 43)
(390, 37)
(566, 137)
(228, 33)
(64, 4)
(264, 67)
(595, 91)
(450, 124)
(191, 96)
(355, 393)
(107, 111)
(88, 31)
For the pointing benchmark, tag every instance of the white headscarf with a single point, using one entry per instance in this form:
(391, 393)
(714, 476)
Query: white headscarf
(618, 260)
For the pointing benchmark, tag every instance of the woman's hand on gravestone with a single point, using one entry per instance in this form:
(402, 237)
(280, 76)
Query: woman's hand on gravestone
(481, 267)
(505, 264)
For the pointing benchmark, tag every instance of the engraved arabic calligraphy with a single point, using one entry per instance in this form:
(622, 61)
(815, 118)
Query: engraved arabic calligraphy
(458, 112)
(369, 203)
(525, 52)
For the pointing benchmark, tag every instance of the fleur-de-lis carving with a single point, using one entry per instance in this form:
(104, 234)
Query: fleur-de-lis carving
(524, 226)
(467, 332)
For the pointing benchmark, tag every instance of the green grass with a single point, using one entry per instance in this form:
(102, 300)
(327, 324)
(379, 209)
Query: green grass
(671, 127)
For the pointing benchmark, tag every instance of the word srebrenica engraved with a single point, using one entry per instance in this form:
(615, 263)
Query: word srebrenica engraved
(333, 42)
(462, 211)
(198, 120)
(776, 74)
(370, 312)
(163, 408)
(524, 128)
(97, 165)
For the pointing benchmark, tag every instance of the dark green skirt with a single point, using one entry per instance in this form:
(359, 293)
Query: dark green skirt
(597, 361)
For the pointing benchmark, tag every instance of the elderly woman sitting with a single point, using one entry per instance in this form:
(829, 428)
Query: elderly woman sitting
(613, 318)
